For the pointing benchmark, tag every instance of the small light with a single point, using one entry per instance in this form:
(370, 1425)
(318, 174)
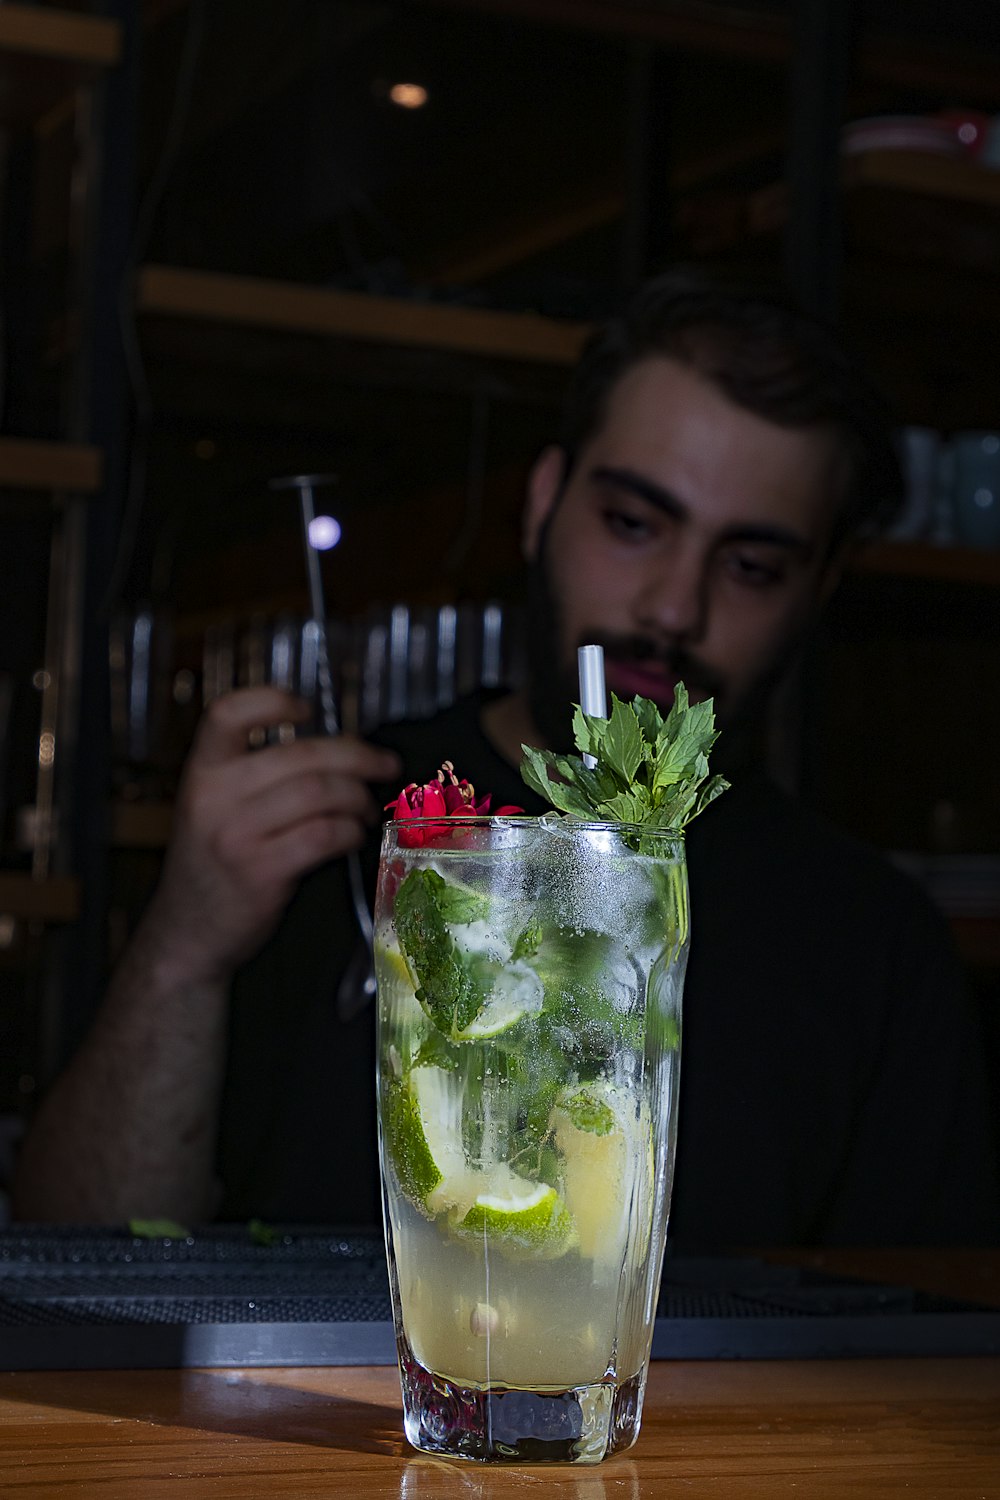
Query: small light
(324, 533)
(46, 748)
(41, 680)
(408, 95)
(968, 133)
(8, 930)
(983, 498)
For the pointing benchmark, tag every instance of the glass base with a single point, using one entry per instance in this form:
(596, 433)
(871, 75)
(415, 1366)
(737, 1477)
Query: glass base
(503, 1424)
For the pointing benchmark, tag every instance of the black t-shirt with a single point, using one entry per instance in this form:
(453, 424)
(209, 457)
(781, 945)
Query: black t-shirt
(832, 1085)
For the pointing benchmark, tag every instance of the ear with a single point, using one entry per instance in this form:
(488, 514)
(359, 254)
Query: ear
(544, 486)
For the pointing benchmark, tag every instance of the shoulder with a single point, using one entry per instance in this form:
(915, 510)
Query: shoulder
(784, 865)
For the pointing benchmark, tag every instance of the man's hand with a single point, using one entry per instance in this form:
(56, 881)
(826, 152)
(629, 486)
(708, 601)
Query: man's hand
(129, 1129)
(248, 824)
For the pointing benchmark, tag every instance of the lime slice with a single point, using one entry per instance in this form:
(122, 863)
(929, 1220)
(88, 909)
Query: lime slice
(602, 1160)
(398, 1002)
(523, 1220)
(516, 992)
(392, 966)
(422, 1129)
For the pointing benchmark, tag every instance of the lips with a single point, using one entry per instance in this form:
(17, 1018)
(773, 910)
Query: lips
(629, 679)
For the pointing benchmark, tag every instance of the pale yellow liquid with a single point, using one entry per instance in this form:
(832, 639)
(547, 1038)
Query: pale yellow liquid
(480, 1318)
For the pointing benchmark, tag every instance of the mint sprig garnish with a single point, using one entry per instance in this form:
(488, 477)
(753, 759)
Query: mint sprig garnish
(649, 770)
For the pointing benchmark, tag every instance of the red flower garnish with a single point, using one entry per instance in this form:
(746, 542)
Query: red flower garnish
(445, 796)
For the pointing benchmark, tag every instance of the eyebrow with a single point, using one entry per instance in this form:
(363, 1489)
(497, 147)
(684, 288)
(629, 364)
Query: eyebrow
(666, 501)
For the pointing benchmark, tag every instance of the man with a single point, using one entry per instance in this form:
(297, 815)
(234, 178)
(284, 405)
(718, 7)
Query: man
(718, 454)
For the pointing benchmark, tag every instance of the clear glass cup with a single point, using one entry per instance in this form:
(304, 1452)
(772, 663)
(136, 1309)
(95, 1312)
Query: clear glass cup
(530, 974)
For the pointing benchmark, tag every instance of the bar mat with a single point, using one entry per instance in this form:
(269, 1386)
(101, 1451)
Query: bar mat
(94, 1298)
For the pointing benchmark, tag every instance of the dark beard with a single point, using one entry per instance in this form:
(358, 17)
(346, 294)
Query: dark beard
(553, 685)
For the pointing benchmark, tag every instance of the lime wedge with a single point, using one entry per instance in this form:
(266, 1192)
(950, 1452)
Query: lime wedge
(422, 1128)
(523, 1220)
(392, 965)
(602, 1157)
(516, 992)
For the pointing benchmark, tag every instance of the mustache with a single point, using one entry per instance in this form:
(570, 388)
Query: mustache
(643, 650)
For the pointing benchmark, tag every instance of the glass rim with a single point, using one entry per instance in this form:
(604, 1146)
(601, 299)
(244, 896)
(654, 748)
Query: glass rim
(492, 820)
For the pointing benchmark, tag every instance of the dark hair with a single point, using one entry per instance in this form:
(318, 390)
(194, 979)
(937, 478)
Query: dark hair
(766, 357)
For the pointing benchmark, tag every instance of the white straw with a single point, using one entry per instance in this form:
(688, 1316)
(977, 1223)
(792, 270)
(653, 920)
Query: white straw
(593, 694)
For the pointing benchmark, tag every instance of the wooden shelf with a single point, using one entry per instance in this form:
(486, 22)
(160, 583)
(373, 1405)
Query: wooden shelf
(52, 900)
(978, 940)
(912, 206)
(964, 181)
(29, 465)
(33, 31)
(213, 297)
(44, 52)
(968, 565)
(141, 825)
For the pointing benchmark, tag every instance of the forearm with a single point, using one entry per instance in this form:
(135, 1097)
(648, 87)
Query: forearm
(129, 1129)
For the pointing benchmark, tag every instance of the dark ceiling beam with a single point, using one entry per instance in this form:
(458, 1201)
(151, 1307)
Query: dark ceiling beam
(699, 25)
(900, 61)
(155, 11)
(496, 248)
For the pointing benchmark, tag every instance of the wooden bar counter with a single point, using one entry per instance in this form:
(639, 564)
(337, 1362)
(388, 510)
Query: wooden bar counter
(927, 1429)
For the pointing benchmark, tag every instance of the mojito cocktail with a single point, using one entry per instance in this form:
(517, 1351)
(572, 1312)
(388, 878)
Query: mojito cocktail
(529, 973)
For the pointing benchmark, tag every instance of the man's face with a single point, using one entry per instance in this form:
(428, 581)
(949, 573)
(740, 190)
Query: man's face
(692, 541)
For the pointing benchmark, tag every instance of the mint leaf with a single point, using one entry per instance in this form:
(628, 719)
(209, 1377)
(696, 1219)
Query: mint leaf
(528, 942)
(588, 732)
(457, 903)
(649, 770)
(445, 989)
(588, 1112)
(261, 1233)
(158, 1229)
(623, 748)
(648, 718)
(626, 807)
(535, 771)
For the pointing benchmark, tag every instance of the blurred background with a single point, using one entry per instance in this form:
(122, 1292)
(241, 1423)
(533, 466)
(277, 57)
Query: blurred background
(364, 241)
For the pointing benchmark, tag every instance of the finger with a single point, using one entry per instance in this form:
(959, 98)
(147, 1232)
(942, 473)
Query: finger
(246, 776)
(224, 727)
(297, 799)
(297, 850)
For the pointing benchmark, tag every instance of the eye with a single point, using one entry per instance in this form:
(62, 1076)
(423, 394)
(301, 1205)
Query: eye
(752, 571)
(626, 524)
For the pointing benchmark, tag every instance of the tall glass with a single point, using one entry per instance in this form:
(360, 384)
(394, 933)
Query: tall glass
(529, 980)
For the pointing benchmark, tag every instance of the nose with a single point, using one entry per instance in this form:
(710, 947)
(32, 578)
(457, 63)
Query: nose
(672, 602)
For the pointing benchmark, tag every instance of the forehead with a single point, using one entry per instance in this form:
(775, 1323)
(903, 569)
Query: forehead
(724, 464)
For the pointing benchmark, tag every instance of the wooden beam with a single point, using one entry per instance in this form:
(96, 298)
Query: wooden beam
(498, 247)
(943, 177)
(939, 69)
(62, 34)
(250, 301)
(695, 25)
(965, 565)
(52, 900)
(495, 248)
(28, 465)
(905, 62)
